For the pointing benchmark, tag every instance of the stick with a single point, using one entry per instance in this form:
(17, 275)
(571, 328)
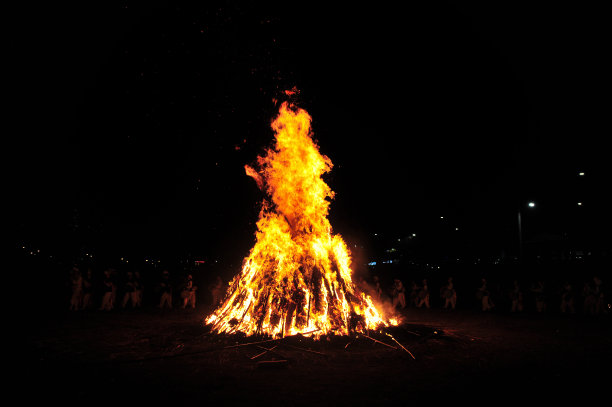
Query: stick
(269, 340)
(271, 350)
(245, 312)
(264, 352)
(308, 319)
(251, 343)
(284, 317)
(305, 350)
(414, 333)
(394, 340)
(377, 341)
(224, 313)
(241, 319)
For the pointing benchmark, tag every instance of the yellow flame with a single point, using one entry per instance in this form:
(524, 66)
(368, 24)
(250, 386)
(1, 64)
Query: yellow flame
(297, 276)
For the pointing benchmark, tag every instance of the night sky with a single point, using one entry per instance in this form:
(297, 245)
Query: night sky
(135, 122)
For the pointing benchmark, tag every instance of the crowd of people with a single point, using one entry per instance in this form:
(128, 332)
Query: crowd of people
(591, 299)
(116, 290)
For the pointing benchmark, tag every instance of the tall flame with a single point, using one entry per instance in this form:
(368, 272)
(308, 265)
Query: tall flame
(297, 277)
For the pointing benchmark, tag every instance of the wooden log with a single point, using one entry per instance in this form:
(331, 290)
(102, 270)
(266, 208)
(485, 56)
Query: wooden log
(306, 333)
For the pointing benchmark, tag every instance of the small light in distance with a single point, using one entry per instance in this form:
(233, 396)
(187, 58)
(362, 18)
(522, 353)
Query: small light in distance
(531, 204)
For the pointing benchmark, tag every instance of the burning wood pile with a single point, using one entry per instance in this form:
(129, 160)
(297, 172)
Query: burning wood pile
(297, 277)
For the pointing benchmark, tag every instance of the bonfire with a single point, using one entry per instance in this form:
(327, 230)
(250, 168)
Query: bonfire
(297, 277)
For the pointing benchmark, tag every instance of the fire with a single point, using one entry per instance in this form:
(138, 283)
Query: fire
(297, 277)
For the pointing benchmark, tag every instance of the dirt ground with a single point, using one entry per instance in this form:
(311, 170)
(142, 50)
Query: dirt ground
(154, 357)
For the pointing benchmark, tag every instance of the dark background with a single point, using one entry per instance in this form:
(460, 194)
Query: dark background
(134, 122)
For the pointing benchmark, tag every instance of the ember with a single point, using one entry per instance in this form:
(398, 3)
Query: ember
(297, 277)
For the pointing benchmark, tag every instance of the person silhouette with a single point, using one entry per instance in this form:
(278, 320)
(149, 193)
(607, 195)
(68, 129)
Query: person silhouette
(166, 291)
(188, 293)
(399, 294)
(76, 281)
(449, 294)
(424, 295)
(217, 291)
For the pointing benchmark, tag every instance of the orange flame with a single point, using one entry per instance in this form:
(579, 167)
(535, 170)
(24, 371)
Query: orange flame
(297, 277)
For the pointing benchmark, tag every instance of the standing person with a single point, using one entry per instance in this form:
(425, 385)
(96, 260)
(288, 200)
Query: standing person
(424, 295)
(540, 299)
(567, 299)
(483, 295)
(76, 288)
(598, 296)
(188, 293)
(414, 294)
(76, 281)
(129, 288)
(449, 294)
(138, 290)
(108, 285)
(399, 294)
(516, 295)
(588, 293)
(166, 291)
(113, 279)
(217, 291)
(377, 288)
(87, 290)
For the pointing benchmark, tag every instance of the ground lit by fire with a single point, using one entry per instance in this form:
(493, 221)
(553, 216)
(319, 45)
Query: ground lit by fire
(297, 277)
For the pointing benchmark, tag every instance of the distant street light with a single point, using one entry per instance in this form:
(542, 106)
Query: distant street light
(520, 230)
